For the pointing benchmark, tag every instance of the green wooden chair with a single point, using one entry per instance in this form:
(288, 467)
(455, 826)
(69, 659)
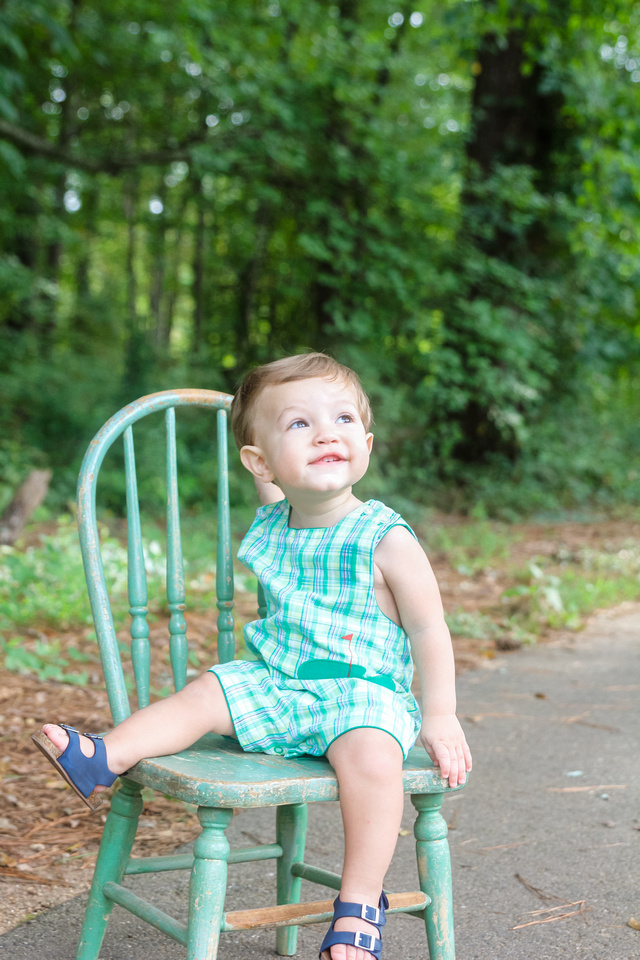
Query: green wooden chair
(215, 774)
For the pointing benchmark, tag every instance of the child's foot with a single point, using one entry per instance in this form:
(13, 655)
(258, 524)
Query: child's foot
(82, 763)
(348, 919)
(60, 739)
(343, 951)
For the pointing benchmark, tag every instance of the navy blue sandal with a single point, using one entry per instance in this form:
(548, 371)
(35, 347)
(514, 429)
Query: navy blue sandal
(373, 915)
(82, 773)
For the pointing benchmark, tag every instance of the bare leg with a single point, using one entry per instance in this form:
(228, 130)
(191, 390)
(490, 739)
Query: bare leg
(368, 763)
(164, 727)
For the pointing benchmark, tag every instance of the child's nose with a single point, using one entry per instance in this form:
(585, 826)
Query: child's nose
(326, 433)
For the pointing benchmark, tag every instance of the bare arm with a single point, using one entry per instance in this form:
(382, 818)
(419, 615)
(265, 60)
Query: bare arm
(408, 574)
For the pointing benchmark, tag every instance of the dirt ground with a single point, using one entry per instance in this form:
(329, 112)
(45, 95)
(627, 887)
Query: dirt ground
(49, 839)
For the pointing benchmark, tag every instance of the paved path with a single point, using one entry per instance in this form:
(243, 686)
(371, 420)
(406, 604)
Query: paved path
(548, 820)
(555, 802)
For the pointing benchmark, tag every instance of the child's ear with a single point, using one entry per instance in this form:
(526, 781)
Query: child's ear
(369, 441)
(253, 459)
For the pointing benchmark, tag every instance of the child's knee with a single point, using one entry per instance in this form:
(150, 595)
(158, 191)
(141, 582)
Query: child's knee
(367, 752)
(206, 685)
(205, 695)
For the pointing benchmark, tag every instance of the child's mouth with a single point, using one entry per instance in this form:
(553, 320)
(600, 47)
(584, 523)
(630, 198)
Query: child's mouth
(330, 458)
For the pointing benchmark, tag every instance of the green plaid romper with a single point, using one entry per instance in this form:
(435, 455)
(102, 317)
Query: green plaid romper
(325, 659)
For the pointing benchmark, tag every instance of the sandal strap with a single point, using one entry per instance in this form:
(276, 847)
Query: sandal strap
(91, 736)
(374, 915)
(365, 940)
(86, 772)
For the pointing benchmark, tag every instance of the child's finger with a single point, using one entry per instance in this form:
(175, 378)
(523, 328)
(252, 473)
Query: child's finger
(446, 761)
(462, 765)
(455, 772)
(454, 767)
(431, 753)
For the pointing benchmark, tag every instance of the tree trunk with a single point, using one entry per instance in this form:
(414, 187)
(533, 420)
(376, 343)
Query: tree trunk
(199, 260)
(248, 281)
(158, 249)
(28, 498)
(129, 197)
(515, 121)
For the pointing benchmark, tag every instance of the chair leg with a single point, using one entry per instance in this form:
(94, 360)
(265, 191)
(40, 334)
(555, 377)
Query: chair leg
(117, 840)
(291, 834)
(208, 884)
(434, 870)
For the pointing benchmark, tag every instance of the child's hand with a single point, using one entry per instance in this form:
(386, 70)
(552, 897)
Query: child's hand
(444, 740)
(268, 492)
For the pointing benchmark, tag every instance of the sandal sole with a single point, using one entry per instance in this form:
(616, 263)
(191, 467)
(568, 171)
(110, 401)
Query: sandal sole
(95, 800)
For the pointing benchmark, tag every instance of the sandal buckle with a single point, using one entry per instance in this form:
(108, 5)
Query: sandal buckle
(371, 914)
(364, 940)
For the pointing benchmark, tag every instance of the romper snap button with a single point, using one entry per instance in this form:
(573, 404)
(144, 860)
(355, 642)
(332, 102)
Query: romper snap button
(279, 750)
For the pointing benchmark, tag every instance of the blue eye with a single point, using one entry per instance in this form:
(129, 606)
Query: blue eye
(296, 424)
(345, 418)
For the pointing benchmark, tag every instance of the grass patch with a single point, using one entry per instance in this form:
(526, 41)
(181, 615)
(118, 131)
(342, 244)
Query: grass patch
(475, 626)
(474, 546)
(46, 659)
(552, 597)
(43, 590)
(44, 584)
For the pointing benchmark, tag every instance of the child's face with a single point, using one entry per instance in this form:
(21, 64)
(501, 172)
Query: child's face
(308, 436)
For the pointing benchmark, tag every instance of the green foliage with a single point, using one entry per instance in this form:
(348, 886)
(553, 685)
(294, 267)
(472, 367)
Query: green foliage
(563, 599)
(472, 547)
(476, 626)
(30, 583)
(43, 592)
(189, 190)
(547, 595)
(43, 585)
(45, 660)
(578, 460)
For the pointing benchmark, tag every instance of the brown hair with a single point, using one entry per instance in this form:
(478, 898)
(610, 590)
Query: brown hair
(304, 366)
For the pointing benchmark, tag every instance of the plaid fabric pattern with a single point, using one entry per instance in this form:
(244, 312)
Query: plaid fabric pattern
(321, 605)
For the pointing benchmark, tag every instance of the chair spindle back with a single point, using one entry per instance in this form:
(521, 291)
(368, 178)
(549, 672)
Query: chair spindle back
(122, 424)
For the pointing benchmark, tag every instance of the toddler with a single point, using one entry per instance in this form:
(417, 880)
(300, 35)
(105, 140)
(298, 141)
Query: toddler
(351, 598)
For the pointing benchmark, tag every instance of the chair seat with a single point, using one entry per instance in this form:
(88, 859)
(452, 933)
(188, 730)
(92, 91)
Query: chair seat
(216, 772)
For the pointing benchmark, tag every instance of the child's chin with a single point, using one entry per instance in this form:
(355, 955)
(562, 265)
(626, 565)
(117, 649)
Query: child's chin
(330, 485)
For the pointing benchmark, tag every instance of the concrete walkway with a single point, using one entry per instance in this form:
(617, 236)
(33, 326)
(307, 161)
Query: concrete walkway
(547, 828)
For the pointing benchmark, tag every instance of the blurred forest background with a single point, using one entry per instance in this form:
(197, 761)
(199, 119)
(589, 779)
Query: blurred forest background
(444, 195)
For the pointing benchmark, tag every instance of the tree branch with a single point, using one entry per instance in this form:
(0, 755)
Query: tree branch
(105, 164)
